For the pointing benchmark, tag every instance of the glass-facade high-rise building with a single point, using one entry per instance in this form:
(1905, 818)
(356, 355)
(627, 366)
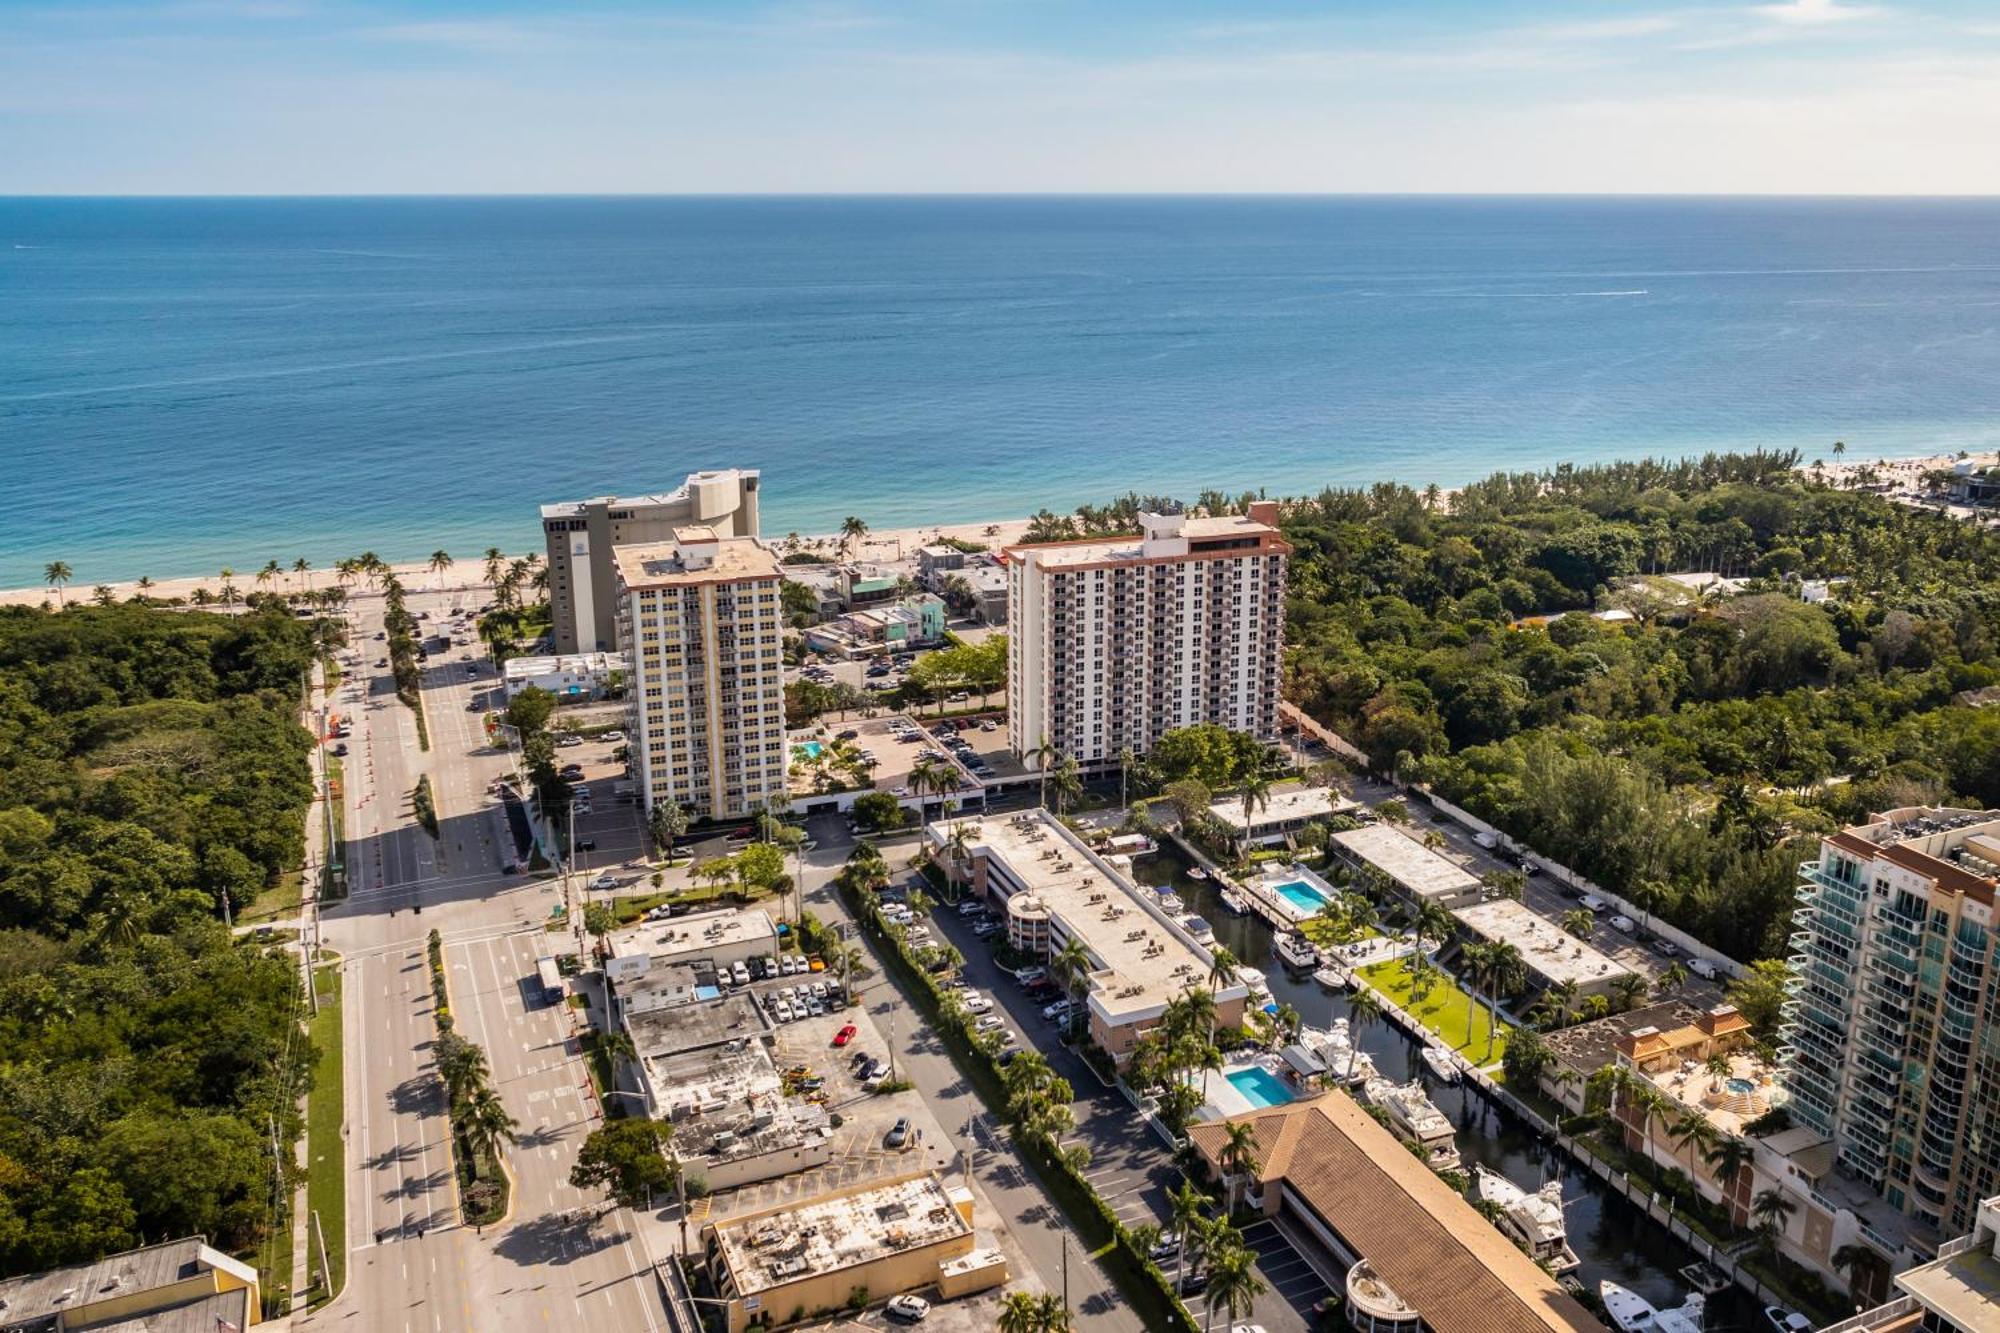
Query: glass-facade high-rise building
(1891, 1044)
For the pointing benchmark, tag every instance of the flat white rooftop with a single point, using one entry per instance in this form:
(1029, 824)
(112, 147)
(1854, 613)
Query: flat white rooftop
(1286, 804)
(836, 1232)
(1550, 952)
(1142, 960)
(580, 664)
(683, 939)
(698, 557)
(1403, 859)
(1167, 539)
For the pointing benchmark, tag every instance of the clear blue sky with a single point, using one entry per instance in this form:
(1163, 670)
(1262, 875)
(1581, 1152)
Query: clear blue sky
(327, 96)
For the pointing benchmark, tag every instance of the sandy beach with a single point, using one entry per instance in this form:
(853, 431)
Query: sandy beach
(888, 544)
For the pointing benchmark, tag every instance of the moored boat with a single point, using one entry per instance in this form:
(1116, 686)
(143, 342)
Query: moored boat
(1414, 1117)
(1296, 952)
(1197, 927)
(1534, 1221)
(1787, 1321)
(1171, 901)
(1333, 976)
(1335, 1047)
(1442, 1064)
(1196, 872)
(1632, 1313)
(1232, 904)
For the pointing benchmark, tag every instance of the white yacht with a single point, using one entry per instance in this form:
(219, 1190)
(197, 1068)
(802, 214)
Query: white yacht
(1197, 927)
(1295, 952)
(1441, 1063)
(1633, 1313)
(1345, 1063)
(1535, 1221)
(1170, 901)
(1334, 976)
(1232, 904)
(1255, 982)
(1414, 1117)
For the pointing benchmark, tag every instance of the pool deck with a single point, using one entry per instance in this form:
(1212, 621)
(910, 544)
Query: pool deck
(1224, 1099)
(1274, 906)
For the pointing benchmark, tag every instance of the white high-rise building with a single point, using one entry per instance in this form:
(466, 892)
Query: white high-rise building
(702, 620)
(1114, 643)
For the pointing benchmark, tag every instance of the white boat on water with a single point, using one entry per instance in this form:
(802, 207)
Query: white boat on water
(1171, 901)
(1296, 952)
(1232, 904)
(1197, 927)
(1196, 872)
(1535, 1221)
(1632, 1313)
(1334, 977)
(1442, 1064)
(1414, 1117)
(1335, 1046)
(1787, 1321)
(1254, 981)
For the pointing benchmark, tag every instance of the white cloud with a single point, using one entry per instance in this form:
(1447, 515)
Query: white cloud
(1811, 12)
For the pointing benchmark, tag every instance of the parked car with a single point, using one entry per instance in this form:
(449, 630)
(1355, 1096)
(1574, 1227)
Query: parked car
(990, 1023)
(612, 737)
(1701, 967)
(1165, 1248)
(1594, 903)
(569, 740)
(899, 1133)
(740, 971)
(845, 1035)
(1624, 923)
(977, 1004)
(913, 1309)
(783, 1011)
(1056, 1012)
(340, 748)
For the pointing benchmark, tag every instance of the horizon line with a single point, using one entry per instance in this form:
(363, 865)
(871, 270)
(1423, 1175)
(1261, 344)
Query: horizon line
(1005, 194)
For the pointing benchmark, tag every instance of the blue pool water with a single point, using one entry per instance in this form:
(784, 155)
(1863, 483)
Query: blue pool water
(809, 749)
(1302, 895)
(1260, 1087)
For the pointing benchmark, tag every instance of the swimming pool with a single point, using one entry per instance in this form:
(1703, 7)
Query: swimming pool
(809, 750)
(1301, 895)
(1260, 1087)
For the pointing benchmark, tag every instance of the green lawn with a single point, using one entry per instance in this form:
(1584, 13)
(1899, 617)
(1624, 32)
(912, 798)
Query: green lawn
(276, 903)
(326, 1164)
(1444, 1008)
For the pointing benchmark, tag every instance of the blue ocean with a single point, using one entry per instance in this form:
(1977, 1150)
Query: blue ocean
(192, 383)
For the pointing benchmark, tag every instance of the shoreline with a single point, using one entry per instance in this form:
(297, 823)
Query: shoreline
(888, 544)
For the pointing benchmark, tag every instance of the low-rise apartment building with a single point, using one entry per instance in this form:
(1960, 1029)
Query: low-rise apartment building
(1552, 956)
(1054, 888)
(580, 536)
(1417, 1257)
(1890, 1038)
(779, 1265)
(1958, 1292)
(705, 632)
(1282, 815)
(1413, 870)
(578, 676)
(1115, 642)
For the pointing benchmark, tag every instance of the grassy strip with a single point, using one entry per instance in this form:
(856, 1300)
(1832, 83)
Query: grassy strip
(1141, 1282)
(424, 805)
(276, 903)
(331, 665)
(483, 1188)
(597, 1060)
(1444, 1008)
(326, 1181)
(274, 1263)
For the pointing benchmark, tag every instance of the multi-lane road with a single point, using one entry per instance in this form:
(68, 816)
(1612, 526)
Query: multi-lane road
(557, 1259)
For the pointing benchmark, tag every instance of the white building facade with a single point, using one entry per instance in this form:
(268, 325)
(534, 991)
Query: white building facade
(703, 618)
(1115, 643)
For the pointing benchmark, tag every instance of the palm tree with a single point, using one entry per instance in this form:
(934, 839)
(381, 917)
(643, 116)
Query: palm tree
(1691, 1132)
(496, 563)
(1068, 783)
(852, 530)
(1564, 993)
(1432, 921)
(144, 585)
(462, 1065)
(57, 573)
(1725, 1161)
(1051, 1315)
(1630, 989)
(440, 561)
(1041, 756)
(1771, 1209)
(1363, 1011)
(228, 588)
(1020, 1313)
(1256, 796)
(487, 1126)
(103, 595)
(1185, 1207)
(1839, 448)
(1580, 922)
(1506, 974)
(1070, 966)
(1671, 979)
(303, 568)
(1858, 1262)
(1232, 1284)
(1222, 965)
(1477, 971)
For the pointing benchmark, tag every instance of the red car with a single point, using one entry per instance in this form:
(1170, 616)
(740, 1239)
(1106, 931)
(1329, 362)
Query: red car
(845, 1035)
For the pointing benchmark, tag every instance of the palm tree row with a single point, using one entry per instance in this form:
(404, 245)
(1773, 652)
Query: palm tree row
(476, 1107)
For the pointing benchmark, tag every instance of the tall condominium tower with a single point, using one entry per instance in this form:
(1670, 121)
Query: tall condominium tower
(1113, 643)
(700, 616)
(582, 533)
(1892, 1040)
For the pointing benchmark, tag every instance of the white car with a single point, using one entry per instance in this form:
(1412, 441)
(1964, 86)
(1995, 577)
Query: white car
(977, 1004)
(990, 1023)
(1056, 1012)
(1624, 923)
(783, 1013)
(1246, 1328)
(740, 972)
(612, 737)
(1594, 903)
(909, 1309)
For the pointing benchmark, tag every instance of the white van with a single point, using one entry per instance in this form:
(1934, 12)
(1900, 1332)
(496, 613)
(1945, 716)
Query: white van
(1624, 923)
(1701, 967)
(1594, 903)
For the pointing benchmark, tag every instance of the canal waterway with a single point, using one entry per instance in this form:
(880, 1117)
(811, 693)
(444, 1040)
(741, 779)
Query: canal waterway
(1612, 1238)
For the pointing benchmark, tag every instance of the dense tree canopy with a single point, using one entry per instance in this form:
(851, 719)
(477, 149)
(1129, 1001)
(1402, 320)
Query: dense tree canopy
(150, 765)
(1683, 749)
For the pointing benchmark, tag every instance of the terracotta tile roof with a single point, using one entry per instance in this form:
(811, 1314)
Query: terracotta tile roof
(1943, 873)
(1427, 1243)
